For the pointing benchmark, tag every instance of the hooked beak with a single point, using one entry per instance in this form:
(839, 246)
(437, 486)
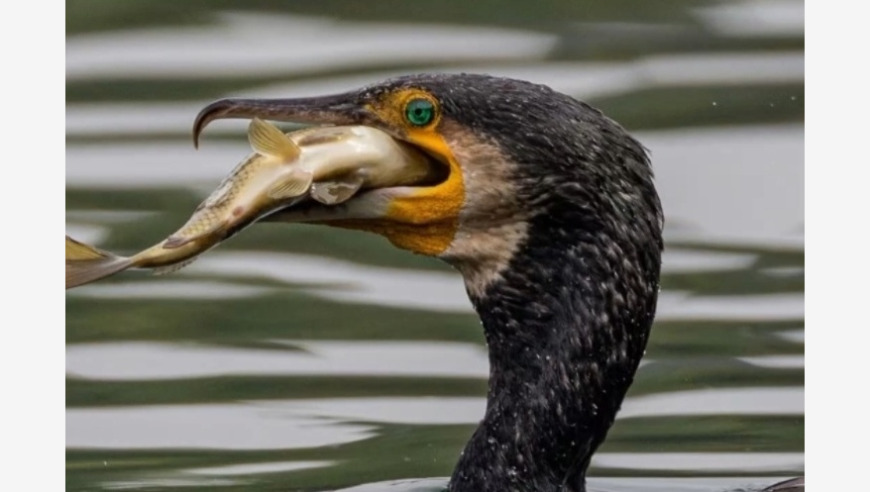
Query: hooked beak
(340, 109)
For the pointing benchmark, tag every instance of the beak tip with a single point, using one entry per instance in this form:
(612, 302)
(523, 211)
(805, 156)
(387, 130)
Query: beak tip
(196, 132)
(208, 114)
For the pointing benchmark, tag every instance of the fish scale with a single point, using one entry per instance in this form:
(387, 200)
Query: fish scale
(209, 214)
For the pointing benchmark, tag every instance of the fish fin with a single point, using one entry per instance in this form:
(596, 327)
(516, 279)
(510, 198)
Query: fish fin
(86, 264)
(175, 267)
(267, 139)
(296, 184)
(336, 191)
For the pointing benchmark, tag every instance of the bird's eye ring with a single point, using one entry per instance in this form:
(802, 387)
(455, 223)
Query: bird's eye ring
(420, 112)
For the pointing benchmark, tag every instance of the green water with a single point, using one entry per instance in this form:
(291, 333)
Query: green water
(306, 358)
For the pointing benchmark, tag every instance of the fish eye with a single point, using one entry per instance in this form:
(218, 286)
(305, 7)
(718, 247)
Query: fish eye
(419, 112)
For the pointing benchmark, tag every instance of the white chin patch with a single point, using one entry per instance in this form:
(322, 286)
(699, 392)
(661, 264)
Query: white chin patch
(492, 224)
(482, 255)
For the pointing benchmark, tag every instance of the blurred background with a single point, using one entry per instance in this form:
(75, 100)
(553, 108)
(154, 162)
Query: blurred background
(305, 358)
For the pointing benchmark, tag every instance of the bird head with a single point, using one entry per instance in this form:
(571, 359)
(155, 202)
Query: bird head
(513, 156)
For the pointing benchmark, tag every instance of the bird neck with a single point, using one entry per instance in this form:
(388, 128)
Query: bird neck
(566, 325)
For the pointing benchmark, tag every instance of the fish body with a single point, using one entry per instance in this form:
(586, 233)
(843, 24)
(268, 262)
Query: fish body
(326, 164)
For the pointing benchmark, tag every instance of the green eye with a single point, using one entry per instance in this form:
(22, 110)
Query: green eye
(420, 112)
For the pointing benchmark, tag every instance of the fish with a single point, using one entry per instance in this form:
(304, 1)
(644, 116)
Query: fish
(325, 164)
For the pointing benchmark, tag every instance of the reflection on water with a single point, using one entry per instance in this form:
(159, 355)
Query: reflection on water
(300, 358)
(646, 484)
(781, 361)
(234, 43)
(243, 426)
(310, 423)
(764, 18)
(715, 462)
(255, 468)
(148, 360)
(745, 401)
(170, 289)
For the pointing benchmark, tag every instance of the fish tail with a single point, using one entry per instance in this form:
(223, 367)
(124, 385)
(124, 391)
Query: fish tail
(85, 264)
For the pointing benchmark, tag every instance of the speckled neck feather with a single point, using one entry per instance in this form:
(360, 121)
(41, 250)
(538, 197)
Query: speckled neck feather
(567, 320)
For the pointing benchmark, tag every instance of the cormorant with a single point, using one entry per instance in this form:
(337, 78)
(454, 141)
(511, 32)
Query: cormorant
(548, 210)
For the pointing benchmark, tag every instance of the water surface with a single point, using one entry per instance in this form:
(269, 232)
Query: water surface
(311, 359)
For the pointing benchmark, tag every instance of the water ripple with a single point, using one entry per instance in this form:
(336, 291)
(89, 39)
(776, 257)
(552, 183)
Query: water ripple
(236, 45)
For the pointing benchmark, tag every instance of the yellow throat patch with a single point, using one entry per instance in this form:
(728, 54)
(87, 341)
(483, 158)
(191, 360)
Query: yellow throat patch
(426, 221)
